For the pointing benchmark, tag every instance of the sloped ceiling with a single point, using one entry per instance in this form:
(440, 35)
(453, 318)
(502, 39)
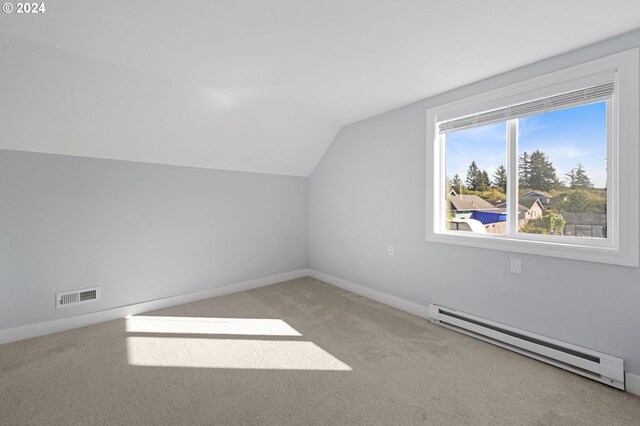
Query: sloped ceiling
(258, 85)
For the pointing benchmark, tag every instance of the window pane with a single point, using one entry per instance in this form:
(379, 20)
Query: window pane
(476, 179)
(562, 172)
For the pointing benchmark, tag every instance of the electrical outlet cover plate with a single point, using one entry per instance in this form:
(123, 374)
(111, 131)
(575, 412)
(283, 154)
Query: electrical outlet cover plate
(516, 266)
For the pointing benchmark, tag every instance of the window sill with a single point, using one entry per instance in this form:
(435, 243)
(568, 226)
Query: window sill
(544, 248)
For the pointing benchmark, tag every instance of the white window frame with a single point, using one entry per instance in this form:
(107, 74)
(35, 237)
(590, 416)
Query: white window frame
(621, 246)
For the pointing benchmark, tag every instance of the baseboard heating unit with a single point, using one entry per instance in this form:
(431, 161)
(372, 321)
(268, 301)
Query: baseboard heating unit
(594, 365)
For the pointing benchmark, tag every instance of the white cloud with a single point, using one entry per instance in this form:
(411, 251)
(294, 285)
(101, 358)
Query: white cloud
(576, 153)
(529, 125)
(564, 151)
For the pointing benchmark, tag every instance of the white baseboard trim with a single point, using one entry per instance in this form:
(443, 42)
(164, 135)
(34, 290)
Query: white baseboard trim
(632, 383)
(64, 324)
(387, 299)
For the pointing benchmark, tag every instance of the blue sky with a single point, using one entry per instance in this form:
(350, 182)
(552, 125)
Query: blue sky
(567, 136)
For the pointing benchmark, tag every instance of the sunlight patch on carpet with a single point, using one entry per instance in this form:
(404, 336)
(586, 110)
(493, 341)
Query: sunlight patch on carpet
(230, 353)
(199, 325)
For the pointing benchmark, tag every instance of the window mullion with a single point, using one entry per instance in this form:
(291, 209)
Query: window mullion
(512, 176)
(442, 198)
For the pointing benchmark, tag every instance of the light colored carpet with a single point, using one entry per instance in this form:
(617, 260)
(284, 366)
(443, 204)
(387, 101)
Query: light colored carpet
(335, 358)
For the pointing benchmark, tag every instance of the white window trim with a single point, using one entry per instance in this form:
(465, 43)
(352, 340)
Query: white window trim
(623, 219)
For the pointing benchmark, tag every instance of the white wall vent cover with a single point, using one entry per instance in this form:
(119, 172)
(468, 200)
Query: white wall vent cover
(76, 297)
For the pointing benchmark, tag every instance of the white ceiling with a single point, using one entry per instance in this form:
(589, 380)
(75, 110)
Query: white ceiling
(258, 85)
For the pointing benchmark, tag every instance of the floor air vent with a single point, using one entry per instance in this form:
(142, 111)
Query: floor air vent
(594, 365)
(69, 298)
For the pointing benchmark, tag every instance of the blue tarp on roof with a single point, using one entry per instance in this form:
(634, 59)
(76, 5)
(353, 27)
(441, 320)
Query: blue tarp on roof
(489, 217)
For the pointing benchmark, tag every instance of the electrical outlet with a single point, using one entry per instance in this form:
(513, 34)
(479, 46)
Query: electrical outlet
(390, 251)
(516, 266)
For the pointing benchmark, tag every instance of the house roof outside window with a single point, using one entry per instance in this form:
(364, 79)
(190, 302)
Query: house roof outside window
(466, 202)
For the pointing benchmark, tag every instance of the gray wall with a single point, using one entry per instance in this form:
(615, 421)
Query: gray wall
(369, 191)
(141, 231)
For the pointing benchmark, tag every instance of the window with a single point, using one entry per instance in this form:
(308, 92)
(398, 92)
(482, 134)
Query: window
(547, 166)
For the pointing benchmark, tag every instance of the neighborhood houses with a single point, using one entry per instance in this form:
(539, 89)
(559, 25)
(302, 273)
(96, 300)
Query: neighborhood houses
(574, 208)
(542, 196)
(465, 207)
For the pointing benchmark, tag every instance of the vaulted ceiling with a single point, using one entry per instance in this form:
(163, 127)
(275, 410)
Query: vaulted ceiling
(258, 85)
